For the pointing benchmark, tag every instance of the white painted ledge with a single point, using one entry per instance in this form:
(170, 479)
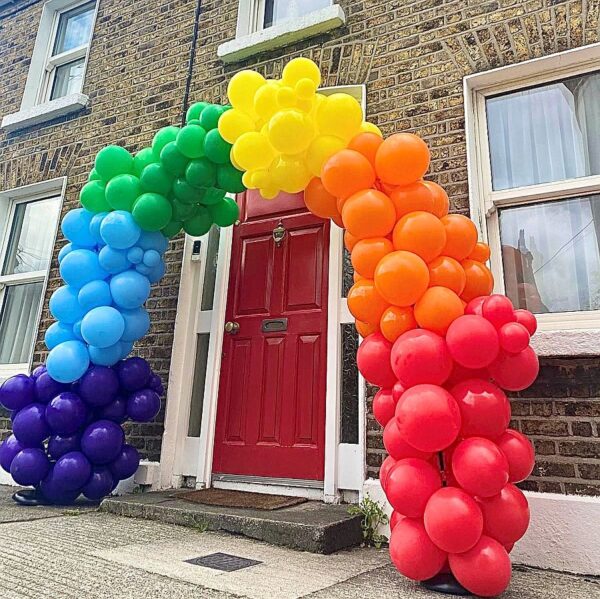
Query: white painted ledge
(36, 115)
(571, 343)
(282, 34)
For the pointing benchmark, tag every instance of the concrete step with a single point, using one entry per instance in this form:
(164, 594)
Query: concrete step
(312, 526)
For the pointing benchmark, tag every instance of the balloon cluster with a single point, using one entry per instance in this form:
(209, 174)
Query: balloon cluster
(67, 438)
(283, 131)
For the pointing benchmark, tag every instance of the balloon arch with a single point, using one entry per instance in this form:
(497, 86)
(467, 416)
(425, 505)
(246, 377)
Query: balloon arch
(441, 348)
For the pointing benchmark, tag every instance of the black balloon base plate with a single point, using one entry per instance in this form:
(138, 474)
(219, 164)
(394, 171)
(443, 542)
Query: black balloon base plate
(29, 497)
(445, 583)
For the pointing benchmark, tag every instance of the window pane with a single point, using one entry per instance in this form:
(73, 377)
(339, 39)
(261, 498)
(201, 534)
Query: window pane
(31, 237)
(68, 79)
(280, 10)
(18, 322)
(547, 133)
(197, 404)
(347, 273)
(551, 255)
(210, 274)
(349, 381)
(74, 28)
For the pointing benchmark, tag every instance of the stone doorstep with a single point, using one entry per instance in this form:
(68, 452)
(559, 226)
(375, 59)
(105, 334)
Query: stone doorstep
(312, 526)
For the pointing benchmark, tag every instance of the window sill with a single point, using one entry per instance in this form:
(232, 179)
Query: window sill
(565, 343)
(8, 370)
(282, 34)
(42, 113)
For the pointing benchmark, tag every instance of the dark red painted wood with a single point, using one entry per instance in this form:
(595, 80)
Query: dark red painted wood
(271, 407)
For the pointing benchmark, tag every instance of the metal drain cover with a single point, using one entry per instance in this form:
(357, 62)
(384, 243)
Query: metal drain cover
(223, 562)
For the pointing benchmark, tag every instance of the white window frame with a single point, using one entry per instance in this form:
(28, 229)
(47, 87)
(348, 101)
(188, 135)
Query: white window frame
(9, 200)
(572, 333)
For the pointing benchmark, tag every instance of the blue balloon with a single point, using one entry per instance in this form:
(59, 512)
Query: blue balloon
(94, 294)
(95, 226)
(135, 254)
(151, 258)
(64, 305)
(129, 289)
(68, 361)
(106, 356)
(137, 324)
(76, 227)
(102, 327)
(126, 349)
(67, 249)
(153, 240)
(143, 269)
(120, 230)
(113, 261)
(77, 330)
(80, 267)
(58, 332)
(157, 272)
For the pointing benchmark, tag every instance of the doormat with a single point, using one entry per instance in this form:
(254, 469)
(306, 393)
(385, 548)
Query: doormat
(241, 499)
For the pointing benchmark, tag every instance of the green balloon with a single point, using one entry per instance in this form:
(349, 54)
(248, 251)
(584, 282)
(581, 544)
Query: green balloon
(201, 173)
(209, 118)
(213, 195)
(93, 197)
(185, 193)
(225, 213)
(199, 224)
(195, 122)
(122, 191)
(183, 211)
(172, 229)
(156, 179)
(190, 141)
(141, 160)
(162, 138)
(194, 111)
(94, 176)
(173, 160)
(112, 161)
(230, 179)
(216, 148)
(152, 212)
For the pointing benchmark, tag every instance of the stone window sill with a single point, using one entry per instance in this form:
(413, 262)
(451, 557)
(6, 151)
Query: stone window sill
(42, 113)
(282, 34)
(567, 343)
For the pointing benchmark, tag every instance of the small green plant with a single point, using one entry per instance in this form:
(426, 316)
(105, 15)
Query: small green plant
(372, 517)
(71, 513)
(200, 526)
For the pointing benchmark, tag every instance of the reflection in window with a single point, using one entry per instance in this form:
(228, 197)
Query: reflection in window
(197, 404)
(210, 273)
(349, 407)
(281, 10)
(74, 28)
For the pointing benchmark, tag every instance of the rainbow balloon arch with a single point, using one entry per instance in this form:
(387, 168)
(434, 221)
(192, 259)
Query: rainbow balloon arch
(439, 345)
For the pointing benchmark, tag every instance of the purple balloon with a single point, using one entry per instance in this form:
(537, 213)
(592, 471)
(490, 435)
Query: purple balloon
(9, 448)
(17, 392)
(71, 471)
(29, 425)
(66, 414)
(100, 483)
(134, 373)
(54, 493)
(46, 388)
(38, 371)
(30, 466)
(156, 384)
(143, 405)
(115, 411)
(59, 445)
(126, 464)
(102, 441)
(99, 385)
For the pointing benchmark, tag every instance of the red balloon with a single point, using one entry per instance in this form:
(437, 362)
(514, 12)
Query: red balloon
(484, 408)
(519, 453)
(428, 417)
(480, 467)
(498, 309)
(395, 518)
(484, 570)
(474, 306)
(373, 360)
(397, 390)
(397, 447)
(527, 319)
(453, 520)
(472, 341)
(515, 372)
(506, 515)
(384, 470)
(384, 406)
(421, 356)
(509, 547)
(410, 484)
(514, 337)
(413, 552)
(460, 374)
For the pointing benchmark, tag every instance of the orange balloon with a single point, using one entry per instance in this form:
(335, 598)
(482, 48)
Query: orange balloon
(402, 159)
(369, 213)
(368, 252)
(347, 172)
(365, 303)
(337, 219)
(411, 198)
(447, 272)
(319, 201)
(440, 199)
(421, 233)
(340, 204)
(480, 280)
(396, 321)
(367, 144)
(461, 236)
(401, 278)
(356, 277)
(437, 309)
(481, 253)
(349, 240)
(365, 329)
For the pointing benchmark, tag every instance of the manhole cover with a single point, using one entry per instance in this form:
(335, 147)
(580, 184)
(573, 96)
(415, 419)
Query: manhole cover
(223, 562)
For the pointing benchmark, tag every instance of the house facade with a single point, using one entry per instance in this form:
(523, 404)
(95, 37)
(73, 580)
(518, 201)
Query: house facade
(504, 92)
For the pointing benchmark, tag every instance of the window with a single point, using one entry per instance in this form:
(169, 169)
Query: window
(276, 11)
(25, 252)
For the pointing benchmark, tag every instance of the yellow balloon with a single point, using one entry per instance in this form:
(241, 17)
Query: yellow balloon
(291, 175)
(320, 150)
(340, 115)
(305, 105)
(286, 97)
(269, 193)
(265, 101)
(290, 131)
(253, 151)
(301, 68)
(262, 178)
(367, 127)
(247, 179)
(306, 89)
(242, 88)
(234, 123)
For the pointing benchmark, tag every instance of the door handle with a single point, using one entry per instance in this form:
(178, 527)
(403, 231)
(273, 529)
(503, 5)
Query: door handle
(232, 327)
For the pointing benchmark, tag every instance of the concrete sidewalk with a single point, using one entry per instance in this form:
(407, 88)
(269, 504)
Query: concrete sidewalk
(55, 553)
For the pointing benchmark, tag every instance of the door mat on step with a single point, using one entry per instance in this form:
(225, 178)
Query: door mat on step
(242, 499)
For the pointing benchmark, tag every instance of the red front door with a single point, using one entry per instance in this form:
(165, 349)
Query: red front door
(271, 407)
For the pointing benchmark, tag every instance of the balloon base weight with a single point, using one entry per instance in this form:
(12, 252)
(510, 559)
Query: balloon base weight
(29, 497)
(445, 583)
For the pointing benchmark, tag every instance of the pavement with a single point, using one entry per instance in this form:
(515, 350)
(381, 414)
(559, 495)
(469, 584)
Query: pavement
(80, 553)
